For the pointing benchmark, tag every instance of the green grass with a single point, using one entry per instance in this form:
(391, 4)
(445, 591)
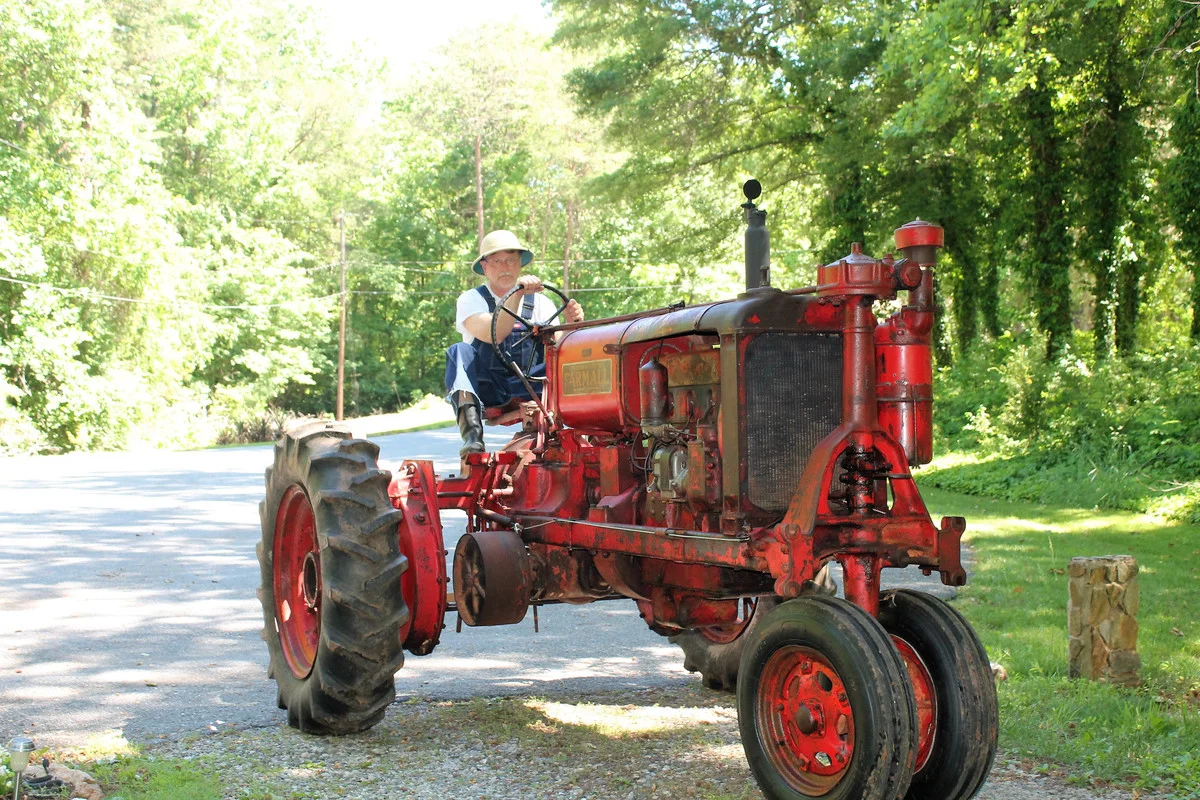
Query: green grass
(1016, 600)
(138, 778)
(1114, 480)
(124, 773)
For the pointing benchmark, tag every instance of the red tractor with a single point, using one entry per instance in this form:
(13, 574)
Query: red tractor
(706, 462)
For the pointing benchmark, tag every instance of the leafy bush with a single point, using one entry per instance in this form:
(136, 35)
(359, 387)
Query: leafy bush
(266, 426)
(1124, 433)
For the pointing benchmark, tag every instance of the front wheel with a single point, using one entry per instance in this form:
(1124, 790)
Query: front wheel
(825, 708)
(951, 670)
(331, 566)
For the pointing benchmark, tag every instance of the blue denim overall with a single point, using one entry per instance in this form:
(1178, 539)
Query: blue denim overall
(478, 365)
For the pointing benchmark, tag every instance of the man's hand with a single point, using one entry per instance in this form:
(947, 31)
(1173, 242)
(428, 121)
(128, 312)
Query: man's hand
(573, 312)
(530, 284)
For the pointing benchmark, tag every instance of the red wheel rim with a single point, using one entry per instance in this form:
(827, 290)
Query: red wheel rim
(804, 719)
(922, 683)
(724, 634)
(297, 581)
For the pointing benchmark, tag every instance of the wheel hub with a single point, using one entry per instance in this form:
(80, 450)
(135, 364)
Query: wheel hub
(297, 581)
(493, 578)
(805, 719)
(312, 579)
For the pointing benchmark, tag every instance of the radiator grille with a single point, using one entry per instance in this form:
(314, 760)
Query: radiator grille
(793, 400)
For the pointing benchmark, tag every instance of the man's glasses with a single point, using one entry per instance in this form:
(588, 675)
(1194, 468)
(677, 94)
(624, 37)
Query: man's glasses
(504, 256)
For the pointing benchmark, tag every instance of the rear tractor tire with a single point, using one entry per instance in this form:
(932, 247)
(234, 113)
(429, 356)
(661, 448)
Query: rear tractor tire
(331, 566)
(716, 652)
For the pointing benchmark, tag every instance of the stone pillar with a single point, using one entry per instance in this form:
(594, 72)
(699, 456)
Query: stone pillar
(1102, 619)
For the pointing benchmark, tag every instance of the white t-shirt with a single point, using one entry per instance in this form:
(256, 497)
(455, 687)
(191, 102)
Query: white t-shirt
(471, 303)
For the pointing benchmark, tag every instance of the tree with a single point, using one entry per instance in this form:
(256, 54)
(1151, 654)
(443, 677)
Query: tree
(1183, 173)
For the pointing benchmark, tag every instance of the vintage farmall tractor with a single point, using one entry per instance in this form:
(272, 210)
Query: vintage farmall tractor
(705, 462)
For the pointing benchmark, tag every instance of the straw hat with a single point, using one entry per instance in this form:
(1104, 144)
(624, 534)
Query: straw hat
(496, 241)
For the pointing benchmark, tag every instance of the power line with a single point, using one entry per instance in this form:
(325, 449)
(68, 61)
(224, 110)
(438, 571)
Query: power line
(30, 152)
(406, 292)
(399, 265)
(92, 294)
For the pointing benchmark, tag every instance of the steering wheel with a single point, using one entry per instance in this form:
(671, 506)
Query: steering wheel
(502, 353)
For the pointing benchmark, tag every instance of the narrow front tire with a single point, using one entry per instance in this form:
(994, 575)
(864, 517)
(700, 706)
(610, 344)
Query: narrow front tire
(824, 705)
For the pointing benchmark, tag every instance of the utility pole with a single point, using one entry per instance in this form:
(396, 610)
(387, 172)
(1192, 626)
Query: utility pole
(341, 375)
(566, 287)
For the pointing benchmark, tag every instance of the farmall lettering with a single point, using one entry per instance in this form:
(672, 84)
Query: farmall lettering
(587, 377)
(707, 463)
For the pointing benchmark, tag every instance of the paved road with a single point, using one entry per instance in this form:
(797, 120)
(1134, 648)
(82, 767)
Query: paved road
(127, 602)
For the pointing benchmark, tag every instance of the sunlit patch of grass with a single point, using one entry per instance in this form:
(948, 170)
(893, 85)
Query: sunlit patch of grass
(1017, 602)
(637, 721)
(140, 778)
(106, 745)
(124, 772)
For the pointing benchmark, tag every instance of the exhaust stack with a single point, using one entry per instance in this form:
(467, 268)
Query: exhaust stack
(758, 238)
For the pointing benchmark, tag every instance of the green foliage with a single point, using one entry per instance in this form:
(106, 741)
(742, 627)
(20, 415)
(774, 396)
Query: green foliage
(172, 173)
(1114, 434)
(145, 299)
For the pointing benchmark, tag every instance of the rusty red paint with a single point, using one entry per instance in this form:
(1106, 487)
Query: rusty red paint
(806, 722)
(860, 579)
(919, 233)
(296, 563)
(423, 584)
(925, 694)
(594, 523)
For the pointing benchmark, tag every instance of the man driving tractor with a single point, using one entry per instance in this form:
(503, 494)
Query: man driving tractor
(475, 376)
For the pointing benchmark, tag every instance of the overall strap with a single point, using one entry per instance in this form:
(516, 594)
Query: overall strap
(487, 298)
(526, 302)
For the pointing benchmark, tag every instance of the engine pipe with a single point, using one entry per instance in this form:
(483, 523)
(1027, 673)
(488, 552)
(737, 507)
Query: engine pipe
(758, 239)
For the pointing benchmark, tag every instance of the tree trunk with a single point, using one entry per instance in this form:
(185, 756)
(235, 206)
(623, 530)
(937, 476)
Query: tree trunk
(566, 287)
(1048, 254)
(1104, 166)
(1183, 187)
(989, 299)
(846, 209)
(966, 289)
(479, 184)
(1196, 302)
(1129, 297)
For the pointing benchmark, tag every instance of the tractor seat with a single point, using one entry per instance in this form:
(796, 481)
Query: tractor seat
(510, 413)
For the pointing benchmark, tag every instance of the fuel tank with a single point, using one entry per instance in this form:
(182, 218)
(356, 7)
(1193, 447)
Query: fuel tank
(595, 369)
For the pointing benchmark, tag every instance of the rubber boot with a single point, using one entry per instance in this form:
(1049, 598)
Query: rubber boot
(469, 425)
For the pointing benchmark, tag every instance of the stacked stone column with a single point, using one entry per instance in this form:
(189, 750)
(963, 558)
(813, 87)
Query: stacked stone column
(1102, 619)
